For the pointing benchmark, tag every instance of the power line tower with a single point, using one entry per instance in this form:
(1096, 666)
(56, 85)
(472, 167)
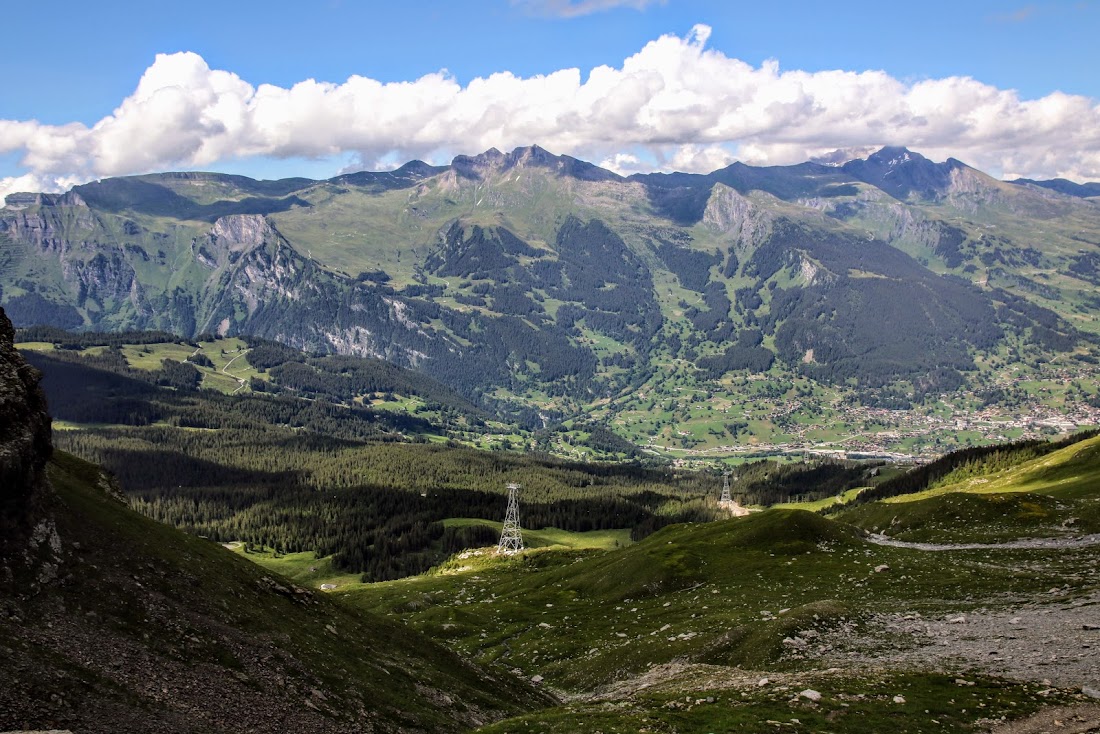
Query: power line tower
(510, 539)
(726, 499)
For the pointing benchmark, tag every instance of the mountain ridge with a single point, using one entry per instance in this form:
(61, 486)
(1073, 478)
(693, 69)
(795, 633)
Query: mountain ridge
(1063, 186)
(415, 169)
(550, 283)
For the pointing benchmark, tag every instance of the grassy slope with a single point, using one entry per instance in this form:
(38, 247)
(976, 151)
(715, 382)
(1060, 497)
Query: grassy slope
(229, 357)
(1068, 472)
(152, 629)
(723, 594)
(1051, 496)
(718, 587)
(547, 537)
(816, 505)
(720, 700)
(231, 373)
(309, 570)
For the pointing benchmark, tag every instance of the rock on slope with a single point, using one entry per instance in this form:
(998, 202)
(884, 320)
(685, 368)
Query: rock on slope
(28, 538)
(120, 624)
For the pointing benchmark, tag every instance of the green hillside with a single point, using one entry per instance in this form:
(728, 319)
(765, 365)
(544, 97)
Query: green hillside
(1066, 473)
(719, 586)
(1054, 495)
(720, 625)
(149, 627)
(696, 609)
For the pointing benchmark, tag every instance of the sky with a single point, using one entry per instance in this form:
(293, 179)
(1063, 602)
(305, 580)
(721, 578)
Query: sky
(272, 89)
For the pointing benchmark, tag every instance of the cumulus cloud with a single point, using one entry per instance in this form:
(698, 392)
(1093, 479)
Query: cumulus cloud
(674, 105)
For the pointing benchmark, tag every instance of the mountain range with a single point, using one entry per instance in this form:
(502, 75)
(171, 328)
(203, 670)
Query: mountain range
(547, 286)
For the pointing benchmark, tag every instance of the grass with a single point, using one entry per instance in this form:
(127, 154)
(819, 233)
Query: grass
(703, 702)
(1051, 496)
(962, 517)
(555, 537)
(816, 505)
(1068, 472)
(724, 593)
(302, 568)
(721, 598)
(228, 356)
(150, 356)
(318, 573)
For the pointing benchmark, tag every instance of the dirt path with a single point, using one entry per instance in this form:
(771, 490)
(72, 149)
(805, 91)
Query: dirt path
(1077, 541)
(240, 381)
(1062, 719)
(681, 676)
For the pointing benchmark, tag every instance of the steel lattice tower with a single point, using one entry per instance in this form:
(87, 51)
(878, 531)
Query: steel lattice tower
(510, 539)
(726, 499)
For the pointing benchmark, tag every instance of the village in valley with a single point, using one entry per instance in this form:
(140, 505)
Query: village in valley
(760, 416)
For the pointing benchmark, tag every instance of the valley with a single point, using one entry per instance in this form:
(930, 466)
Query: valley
(898, 373)
(682, 422)
(653, 611)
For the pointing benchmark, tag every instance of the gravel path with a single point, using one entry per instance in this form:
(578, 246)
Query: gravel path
(1078, 541)
(1061, 719)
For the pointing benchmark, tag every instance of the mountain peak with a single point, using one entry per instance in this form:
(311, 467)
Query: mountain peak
(532, 156)
(902, 173)
(894, 155)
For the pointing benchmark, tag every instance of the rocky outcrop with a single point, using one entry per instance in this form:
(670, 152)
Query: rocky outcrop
(494, 163)
(241, 232)
(51, 224)
(255, 267)
(732, 213)
(28, 537)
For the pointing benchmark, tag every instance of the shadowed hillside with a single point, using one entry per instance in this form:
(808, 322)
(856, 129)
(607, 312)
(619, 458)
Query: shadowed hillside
(111, 622)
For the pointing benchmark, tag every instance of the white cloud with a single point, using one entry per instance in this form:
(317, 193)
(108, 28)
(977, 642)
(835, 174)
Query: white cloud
(623, 163)
(674, 103)
(692, 158)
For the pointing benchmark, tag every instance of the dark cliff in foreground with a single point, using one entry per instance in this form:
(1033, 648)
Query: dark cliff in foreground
(28, 538)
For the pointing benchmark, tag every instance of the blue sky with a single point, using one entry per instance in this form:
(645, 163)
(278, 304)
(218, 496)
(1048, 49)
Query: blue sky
(77, 62)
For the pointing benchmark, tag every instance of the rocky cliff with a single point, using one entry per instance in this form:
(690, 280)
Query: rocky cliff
(28, 538)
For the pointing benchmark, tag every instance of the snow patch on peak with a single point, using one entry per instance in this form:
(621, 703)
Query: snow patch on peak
(898, 160)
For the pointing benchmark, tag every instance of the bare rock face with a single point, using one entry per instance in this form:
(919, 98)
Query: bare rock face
(734, 214)
(241, 232)
(28, 537)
